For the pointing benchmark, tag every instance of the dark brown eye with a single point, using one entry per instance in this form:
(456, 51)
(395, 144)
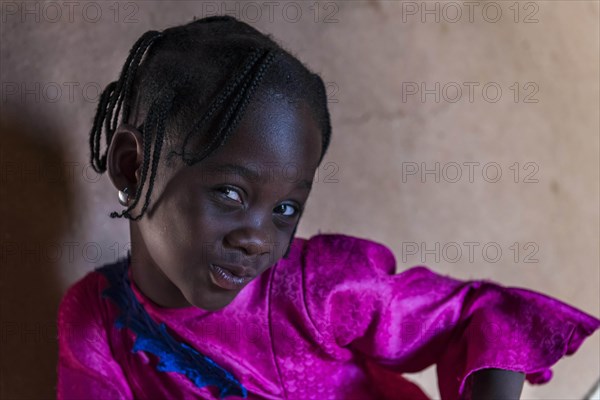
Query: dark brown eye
(287, 210)
(231, 193)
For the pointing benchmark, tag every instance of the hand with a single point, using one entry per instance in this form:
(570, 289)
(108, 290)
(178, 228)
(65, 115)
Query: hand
(497, 384)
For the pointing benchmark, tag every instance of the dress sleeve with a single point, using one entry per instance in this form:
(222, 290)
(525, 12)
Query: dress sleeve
(86, 368)
(417, 318)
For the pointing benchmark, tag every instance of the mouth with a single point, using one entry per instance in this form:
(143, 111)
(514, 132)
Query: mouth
(229, 277)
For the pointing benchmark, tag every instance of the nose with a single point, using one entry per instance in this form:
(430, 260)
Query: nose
(252, 241)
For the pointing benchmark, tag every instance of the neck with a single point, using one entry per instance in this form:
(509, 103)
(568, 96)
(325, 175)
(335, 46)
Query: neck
(149, 278)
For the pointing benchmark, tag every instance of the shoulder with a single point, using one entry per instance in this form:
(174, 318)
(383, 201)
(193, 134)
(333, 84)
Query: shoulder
(332, 254)
(337, 258)
(83, 302)
(82, 292)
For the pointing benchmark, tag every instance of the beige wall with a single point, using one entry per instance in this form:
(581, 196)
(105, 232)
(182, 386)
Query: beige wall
(370, 53)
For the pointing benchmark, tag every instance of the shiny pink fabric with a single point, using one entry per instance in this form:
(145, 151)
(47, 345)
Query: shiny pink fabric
(333, 321)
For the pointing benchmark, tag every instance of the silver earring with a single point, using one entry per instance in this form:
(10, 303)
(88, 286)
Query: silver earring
(124, 197)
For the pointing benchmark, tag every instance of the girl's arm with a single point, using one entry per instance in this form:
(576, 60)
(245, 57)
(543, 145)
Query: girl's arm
(494, 383)
(416, 318)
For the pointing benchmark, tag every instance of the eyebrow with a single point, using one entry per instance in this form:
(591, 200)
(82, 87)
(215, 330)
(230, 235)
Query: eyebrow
(249, 173)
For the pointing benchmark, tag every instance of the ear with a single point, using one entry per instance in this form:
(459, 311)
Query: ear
(124, 159)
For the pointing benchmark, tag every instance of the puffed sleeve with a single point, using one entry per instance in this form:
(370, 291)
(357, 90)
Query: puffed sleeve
(417, 318)
(86, 368)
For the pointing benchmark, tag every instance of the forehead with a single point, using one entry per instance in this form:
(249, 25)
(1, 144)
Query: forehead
(273, 135)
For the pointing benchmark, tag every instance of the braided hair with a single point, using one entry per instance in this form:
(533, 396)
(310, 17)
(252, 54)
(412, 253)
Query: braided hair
(210, 67)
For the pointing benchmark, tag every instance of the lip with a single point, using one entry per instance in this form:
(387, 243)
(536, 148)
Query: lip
(229, 277)
(237, 270)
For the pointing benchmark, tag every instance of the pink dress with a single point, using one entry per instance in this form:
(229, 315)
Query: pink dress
(332, 321)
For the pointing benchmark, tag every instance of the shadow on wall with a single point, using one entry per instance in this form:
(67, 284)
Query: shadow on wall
(36, 207)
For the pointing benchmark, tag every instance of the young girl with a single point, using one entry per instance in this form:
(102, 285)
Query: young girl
(214, 134)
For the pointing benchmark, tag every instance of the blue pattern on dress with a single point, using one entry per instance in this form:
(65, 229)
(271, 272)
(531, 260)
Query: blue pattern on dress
(153, 338)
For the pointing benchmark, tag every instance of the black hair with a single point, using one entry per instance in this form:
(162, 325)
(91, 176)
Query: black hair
(210, 67)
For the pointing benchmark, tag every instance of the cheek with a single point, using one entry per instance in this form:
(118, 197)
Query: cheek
(192, 218)
(176, 236)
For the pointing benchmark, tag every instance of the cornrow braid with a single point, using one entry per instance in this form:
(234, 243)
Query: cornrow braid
(129, 73)
(215, 105)
(229, 61)
(113, 95)
(235, 110)
(157, 116)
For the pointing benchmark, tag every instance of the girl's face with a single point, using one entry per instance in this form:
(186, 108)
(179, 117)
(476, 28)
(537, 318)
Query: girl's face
(236, 208)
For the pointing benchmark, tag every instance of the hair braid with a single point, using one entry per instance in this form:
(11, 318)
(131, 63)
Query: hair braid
(226, 122)
(146, 144)
(135, 55)
(128, 80)
(163, 110)
(111, 96)
(97, 163)
(156, 119)
(218, 103)
(247, 96)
